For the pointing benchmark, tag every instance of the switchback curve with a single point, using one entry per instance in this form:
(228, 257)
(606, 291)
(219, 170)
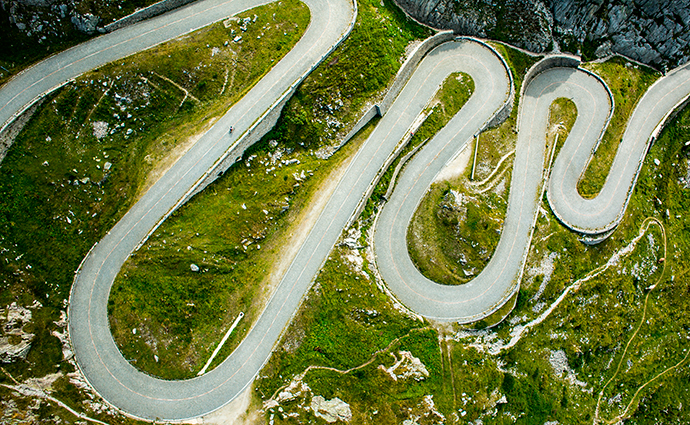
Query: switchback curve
(97, 355)
(499, 281)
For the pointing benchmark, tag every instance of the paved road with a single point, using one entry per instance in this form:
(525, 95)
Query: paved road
(18, 93)
(603, 213)
(96, 353)
(498, 281)
(146, 397)
(500, 278)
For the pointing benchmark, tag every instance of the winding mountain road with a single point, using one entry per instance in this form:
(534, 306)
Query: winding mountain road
(499, 280)
(96, 353)
(146, 397)
(21, 91)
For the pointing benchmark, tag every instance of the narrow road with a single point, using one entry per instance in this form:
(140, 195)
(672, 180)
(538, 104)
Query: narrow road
(603, 213)
(146, 397)
(19, 93)
(499, 280)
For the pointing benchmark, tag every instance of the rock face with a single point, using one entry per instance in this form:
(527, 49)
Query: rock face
(656, 32)
(526, 21)
(651, 31)
(331, 410)
(15, 343)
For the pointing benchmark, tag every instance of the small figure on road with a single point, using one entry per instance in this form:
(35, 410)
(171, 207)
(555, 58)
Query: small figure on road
(231, 128)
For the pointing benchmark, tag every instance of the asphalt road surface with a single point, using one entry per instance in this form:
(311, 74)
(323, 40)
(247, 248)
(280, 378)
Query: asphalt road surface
(603, 213)
(499, 280)
(18, 93)
(97, 355)
(143, 396)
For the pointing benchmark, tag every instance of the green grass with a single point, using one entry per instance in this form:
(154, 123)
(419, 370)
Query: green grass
(592, 325)
(184, 324)
(353, 76)
(627, 82)
(344, 321)
(58, 198)
(235, 231)
(450, 242)
(596, 322)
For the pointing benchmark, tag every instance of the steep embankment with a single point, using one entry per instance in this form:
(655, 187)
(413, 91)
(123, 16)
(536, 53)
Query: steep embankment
(653, 32)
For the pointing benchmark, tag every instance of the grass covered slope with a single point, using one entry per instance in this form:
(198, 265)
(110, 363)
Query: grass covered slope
(597, 332)
(95, 145)
(239, 231)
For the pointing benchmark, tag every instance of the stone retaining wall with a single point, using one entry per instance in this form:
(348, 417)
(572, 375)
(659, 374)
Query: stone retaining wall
(399, 81)
(549, 61)
(148, 12)
(410, 65)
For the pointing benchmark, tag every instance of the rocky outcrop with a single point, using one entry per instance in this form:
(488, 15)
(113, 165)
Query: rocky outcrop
(656, 32)
(408, 366)
(527, 22)
(331, 410)
(86, 23)
(652, 31)
(15, 342)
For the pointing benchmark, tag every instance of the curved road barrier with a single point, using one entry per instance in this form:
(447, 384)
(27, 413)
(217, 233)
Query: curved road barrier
(499, 281)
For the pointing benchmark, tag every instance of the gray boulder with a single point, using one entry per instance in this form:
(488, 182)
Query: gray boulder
(86, 23)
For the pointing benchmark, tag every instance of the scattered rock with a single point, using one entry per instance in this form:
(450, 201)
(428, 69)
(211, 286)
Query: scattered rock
(63, 336)
(86, 23)
(100, 129)
(331, 410)
(194, 267)
(408, 366)
(559, 362)
(15, 343)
